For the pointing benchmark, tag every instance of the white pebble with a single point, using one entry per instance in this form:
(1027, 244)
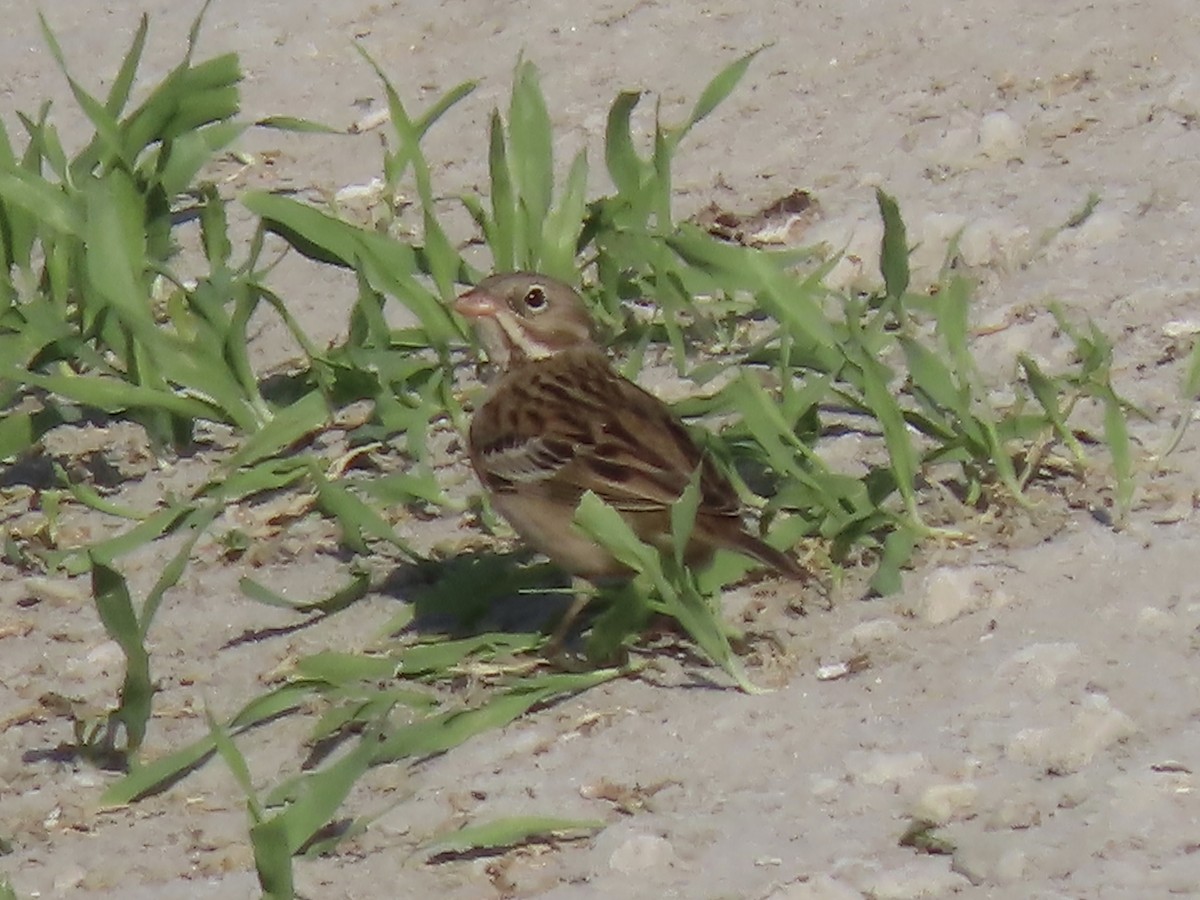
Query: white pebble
(873, 633)
(1181, 328)
(69, 878)
(932, 237)
(858, 242)
(995, 241)
(821, 887)
(1184, 98)
(930, 877)
(55, 591)
(1154, 622)
(1068, 748)
(875, 767)
(948, 593)
(942, 802)
(1000, 137)
(642, 852)
(990, 858)
(957, 150)
(1099, 229)
(1040, 665)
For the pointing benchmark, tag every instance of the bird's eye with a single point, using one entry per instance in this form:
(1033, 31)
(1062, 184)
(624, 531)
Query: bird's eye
(535, 299)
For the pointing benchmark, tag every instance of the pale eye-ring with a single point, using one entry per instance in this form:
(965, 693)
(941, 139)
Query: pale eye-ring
(535, 299)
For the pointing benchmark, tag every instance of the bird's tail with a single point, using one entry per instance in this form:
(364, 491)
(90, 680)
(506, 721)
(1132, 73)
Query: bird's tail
(760, 550)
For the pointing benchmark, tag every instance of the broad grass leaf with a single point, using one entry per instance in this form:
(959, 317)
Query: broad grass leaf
(233, 758)
(190, 152)
(897, 550)
(356, 518)
(683, 516)
(158, 775)
(1116, 437)
(341, 669)
(297, 125)
(515, 831)
(531, 157)
(1048, 393)
(115, 609)
(882, 404)
(196, 522)
(118, 92)
(624, 165)
(47, 205)
(564, 224)
(273, 859)
(321, 793)
(355, 590)
(717, 90)
(289, 425)
(444, 731)
(893, 262)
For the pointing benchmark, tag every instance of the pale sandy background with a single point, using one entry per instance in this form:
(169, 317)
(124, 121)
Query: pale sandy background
(1043, 700)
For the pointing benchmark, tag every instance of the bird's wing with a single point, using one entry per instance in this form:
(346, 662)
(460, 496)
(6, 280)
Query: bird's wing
(571, 424)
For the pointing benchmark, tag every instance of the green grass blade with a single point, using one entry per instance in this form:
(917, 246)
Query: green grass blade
(624, 165)
(355, 590)
(503, 239)
(113, 605)
(289, 425)
(273, 859)
(516, 831)
(118, 93)
(716, 91)
(48, 205)
(531, 158)
(223, 743)
(153, 777)
(564, 225)
(893, 261)
(442, 732)
(1116, 436)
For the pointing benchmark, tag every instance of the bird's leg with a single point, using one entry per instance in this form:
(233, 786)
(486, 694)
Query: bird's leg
(583, 592)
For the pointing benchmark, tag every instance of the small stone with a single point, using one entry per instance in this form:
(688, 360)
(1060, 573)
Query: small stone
(642, 852)
(1102, 227)
(1040, 665)
(1068, 748)
(933, 235)
(952, 592)
(1153, 622)
(1018, 807)
(923, 878)
(56, 591)
(1181, 328)
(106, 658)
(822, 887)
(1000, 137)
(825, 788)
(990, 858)
(873, 633)
(1184, 98)
(996, 242)
(69, 877)
(942, 802)
(957, 150)
(856, 243)
(881, 768)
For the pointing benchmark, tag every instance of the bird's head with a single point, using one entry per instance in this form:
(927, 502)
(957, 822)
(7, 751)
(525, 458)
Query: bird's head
(525, 316)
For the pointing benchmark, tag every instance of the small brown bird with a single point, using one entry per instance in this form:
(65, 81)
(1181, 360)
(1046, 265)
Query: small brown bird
(560, 421)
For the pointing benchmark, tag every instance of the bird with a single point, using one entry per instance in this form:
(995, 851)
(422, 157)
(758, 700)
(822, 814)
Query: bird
(560, 421)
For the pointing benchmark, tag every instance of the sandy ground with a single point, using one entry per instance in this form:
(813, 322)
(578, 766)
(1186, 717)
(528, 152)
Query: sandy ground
(1041, 702)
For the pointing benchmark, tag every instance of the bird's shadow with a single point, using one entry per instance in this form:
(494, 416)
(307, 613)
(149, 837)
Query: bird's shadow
(482, 592)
